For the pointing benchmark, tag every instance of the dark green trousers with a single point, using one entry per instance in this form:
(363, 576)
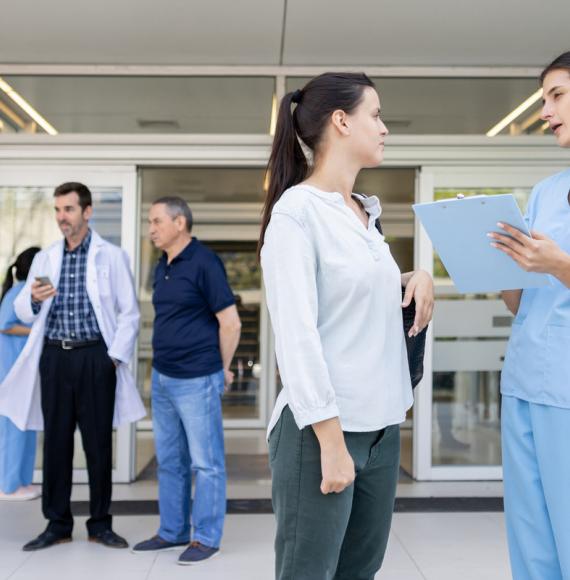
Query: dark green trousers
(339, 536)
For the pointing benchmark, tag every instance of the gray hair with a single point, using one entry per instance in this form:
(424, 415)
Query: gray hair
(176, 206)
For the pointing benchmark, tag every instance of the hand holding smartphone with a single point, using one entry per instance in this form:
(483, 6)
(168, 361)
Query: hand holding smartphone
(42, 289)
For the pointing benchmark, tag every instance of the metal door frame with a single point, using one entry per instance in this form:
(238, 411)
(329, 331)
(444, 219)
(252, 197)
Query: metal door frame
(95, 176)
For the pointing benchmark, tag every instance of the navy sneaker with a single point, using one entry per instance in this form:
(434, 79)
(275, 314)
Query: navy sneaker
(157, 544)
(197, 553)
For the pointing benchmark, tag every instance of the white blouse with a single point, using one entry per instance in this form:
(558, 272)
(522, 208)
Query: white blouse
(334, 297)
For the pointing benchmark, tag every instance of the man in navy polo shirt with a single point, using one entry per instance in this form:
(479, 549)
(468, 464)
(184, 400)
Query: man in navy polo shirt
(196, 333)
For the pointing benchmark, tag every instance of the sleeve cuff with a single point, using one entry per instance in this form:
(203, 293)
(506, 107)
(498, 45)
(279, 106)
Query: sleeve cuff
(224, 305)
(36, 307)
(309, 417)
(115, 357)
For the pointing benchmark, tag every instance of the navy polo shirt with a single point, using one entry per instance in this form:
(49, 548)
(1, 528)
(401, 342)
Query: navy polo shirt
(187, 294)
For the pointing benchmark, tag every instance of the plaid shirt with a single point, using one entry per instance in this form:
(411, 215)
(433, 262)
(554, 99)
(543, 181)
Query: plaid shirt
(71, 316)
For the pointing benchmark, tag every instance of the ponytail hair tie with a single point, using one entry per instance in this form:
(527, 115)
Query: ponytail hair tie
(296, 98)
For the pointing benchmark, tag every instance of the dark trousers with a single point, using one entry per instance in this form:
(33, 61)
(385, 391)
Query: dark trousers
(340, 536)
(77, 389)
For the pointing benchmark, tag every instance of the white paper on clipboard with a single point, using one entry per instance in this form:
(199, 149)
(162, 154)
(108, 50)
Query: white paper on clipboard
(458, 229)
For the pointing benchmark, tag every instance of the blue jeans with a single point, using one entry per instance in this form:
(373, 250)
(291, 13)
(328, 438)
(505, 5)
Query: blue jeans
(189, 439)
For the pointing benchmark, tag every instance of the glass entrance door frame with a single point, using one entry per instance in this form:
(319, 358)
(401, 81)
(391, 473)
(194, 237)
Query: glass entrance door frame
(431, 178)
(116, 176)
(457, 160)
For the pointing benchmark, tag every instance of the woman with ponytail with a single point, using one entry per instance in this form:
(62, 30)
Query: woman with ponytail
(334, 297)
(17, 448)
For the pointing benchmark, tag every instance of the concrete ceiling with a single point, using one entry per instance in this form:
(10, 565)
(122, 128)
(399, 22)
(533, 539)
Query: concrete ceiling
(284, 32)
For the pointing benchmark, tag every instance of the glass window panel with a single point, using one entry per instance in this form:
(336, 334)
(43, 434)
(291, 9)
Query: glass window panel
(466, 418)
(232, 234)
(445, 106)
(144, 104)
(241, 401)
(466, 394)
(27, 219)
(204, 184)
(390, 185)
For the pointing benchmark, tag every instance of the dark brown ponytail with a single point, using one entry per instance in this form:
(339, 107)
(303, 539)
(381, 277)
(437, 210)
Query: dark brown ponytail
(287, 164)
(22, 266)
(8, 281)
(315, 104)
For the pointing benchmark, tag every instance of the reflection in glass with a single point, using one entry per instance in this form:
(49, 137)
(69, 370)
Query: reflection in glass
(466, 418)
(244, 275)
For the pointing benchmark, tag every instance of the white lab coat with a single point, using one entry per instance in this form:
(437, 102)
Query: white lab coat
(112, 294)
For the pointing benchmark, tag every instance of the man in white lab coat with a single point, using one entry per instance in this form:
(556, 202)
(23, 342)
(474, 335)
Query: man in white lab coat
(73, 370)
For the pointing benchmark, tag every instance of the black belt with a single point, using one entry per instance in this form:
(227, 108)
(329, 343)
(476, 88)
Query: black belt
(66, 344)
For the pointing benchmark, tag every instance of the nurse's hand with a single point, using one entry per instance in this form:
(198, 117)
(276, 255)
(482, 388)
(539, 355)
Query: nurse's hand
(419, 286)
(536, 254)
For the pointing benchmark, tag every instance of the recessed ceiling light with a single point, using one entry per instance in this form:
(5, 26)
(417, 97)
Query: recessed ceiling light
(25, 106)
(515, 113)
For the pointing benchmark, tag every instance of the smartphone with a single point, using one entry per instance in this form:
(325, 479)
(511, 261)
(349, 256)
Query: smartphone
(44, 280)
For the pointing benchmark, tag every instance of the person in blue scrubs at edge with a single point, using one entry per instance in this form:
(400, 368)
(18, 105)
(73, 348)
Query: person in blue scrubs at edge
(17, 448)
(535, 381)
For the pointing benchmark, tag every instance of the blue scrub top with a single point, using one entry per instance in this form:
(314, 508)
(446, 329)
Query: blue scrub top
(10, 346)
(537, 364)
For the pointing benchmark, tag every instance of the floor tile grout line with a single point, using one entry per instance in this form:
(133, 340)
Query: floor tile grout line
(18, 568)
(151, 567)
(408, 554)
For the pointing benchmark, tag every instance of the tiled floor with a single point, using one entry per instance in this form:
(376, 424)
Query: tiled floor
(423, 546)
(261, 489)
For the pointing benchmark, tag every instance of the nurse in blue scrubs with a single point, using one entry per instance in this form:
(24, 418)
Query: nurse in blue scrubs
(536, 377)
(17, 448)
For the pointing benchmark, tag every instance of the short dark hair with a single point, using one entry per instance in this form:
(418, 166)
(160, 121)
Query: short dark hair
(561, 62)
(176, 206)
(85, 199)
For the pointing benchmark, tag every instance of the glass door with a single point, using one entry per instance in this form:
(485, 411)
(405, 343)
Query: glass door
(458, 404)
(226, 208)
(27, 219)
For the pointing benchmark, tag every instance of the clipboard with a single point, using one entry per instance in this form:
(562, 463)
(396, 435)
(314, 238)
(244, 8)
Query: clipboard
(458, 229)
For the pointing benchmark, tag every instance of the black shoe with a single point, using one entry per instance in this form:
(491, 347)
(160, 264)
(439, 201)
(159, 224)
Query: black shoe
(46, 539)
(110, 539)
